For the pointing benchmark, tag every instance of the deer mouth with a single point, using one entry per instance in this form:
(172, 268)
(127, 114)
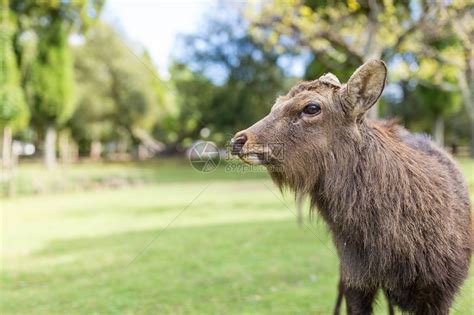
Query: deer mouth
(254, 158)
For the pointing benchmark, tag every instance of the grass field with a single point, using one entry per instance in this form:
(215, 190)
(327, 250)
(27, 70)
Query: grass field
(180, 242)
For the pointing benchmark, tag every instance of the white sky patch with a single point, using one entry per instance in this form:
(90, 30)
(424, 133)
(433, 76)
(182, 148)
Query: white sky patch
(155, 24)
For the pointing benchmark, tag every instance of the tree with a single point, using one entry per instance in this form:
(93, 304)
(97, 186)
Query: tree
(50, 81)
(342, 35)
(442, 65)
(192, 95)
(92, 121)
(120, 94)
(51, 87)
(238, 77)
(133, 89)
(424, 103)
(460, 17)
(13, 109)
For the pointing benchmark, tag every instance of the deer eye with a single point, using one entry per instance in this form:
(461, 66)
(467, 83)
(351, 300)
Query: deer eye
(312, 109)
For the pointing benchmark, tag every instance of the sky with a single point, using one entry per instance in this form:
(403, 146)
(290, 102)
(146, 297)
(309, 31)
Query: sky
(155, 24)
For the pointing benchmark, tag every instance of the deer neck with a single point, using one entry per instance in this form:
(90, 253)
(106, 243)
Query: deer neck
(357, 175)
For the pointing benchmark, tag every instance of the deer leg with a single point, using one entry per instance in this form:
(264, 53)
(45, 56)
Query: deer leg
(421, 301)
(359, 302)
(440, 307)
(391, 310)
(340, 295)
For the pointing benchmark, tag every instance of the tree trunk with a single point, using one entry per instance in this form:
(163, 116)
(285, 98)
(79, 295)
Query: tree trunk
(64, 148)
(466, 84)
(372, 49)
(50, 147)
(471, 142)
(7, 148)
(11, 186)
(438, 131)
(74, 152)
(469, 99)
(142, 153)
(122, 146)
(8, 162)
(96, 150)
(466, 77)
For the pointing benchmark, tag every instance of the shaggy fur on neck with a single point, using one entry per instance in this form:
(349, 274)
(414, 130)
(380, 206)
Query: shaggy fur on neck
(396, 205)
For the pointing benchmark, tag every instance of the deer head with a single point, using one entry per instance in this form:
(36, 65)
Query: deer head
(309, 123)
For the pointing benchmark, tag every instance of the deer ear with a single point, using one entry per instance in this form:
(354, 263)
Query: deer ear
(365, 86)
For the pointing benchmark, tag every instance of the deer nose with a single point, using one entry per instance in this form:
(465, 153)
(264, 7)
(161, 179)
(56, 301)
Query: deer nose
(237, 143)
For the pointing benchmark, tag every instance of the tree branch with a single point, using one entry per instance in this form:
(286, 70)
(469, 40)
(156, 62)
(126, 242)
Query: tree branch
(410, 30)
(333, 38)
(339, 42)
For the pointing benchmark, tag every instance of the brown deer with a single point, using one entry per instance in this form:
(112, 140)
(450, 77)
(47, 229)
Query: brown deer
(396, 204)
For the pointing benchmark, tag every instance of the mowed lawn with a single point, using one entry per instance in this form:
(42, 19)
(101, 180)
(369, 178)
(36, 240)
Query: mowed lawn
(217, 243)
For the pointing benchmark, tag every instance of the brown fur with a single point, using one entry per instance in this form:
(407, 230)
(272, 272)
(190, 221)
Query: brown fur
(396, 205)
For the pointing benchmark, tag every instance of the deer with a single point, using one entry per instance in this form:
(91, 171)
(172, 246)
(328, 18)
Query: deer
(396, 204)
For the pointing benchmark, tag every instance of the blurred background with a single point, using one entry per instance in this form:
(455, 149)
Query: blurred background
(101, 102)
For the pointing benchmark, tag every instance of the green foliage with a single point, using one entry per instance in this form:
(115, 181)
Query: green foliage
(94, 103)
(13, 108)
(341, 35)
(156, 106)
(437, 101)
(41, 44)
(317, 66)
(248, 79)
(133, 96)
(52, 81)
(77, 15)
(422, 103)
(192, 97)
(119, 89)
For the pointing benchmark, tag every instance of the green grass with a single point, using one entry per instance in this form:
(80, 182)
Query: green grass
(235, 249)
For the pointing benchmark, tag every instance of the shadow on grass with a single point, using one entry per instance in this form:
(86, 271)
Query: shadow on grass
(235, 268)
